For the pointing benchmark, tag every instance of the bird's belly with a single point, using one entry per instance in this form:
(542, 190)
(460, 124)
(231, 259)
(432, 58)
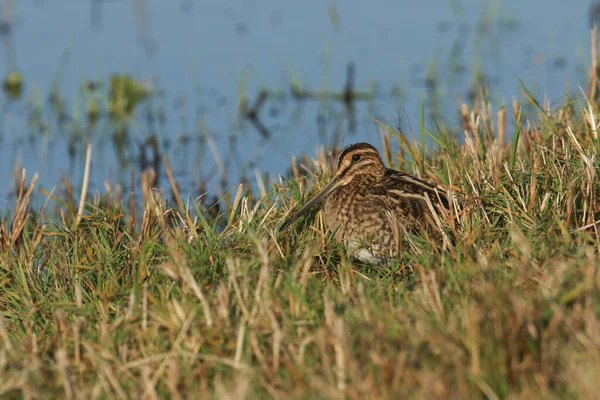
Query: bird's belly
(363, 227)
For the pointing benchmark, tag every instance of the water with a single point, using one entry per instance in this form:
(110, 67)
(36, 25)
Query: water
(204, 56)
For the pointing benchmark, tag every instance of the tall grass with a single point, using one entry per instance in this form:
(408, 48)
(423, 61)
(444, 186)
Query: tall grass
(182, 303)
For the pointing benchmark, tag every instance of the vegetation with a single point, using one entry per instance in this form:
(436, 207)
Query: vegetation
(99, 300)
(96, 302)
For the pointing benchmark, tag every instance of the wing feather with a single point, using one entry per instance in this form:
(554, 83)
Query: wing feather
(408, 196)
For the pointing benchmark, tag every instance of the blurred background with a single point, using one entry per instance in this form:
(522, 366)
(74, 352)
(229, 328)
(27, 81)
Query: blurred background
(230, 90)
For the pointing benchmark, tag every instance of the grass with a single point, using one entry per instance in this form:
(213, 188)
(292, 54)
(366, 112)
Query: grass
(99, 303)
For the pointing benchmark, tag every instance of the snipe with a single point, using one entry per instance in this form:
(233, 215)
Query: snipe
(372, 208)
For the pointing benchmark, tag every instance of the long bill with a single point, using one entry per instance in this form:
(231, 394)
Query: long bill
(326, 191)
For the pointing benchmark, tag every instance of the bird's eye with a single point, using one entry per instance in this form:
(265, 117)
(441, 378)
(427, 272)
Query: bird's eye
(355, 157)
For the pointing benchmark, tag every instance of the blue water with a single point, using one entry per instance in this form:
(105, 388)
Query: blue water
(202, 54)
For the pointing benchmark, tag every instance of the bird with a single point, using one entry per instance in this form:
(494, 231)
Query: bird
(372, 208)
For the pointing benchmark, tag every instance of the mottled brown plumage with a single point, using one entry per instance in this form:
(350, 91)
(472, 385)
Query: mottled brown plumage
(371, 208)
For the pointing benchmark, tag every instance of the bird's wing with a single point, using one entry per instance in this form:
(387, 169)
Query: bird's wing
(400, 185)
(412, 198)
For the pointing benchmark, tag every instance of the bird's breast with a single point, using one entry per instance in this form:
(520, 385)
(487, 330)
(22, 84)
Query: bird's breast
(355, 215)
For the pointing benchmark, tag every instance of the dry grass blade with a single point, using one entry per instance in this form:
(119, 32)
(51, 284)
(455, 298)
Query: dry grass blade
(20, 214)
(84, 186)
(236, 204)
(173, 183)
